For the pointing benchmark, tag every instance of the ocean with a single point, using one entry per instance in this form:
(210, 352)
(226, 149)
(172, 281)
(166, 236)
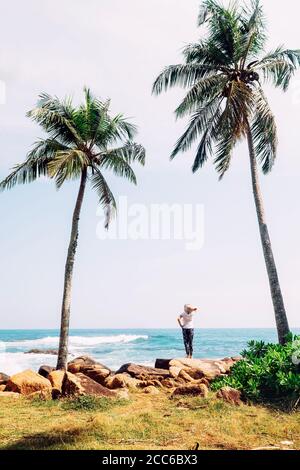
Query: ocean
(116, 347)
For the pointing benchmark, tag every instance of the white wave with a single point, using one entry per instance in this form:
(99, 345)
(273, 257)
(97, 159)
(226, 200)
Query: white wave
(75, 342)
(11, 363)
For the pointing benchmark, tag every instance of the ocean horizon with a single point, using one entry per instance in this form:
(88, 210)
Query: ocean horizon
(114, 347)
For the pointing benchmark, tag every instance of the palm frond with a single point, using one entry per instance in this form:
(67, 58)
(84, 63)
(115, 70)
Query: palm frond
(201, 93)
(264, 132)
(184, 75)
(106, 197)
(239, 106)
(205, 52)
(253, 28)
(67, 164)
(208, 8)
(224, 150)
(115, 162)
(112, 130)
(232, 124)
(129, 152)
(56, 118)
(205, 147)
(197, 126)
(279, 66)
(35, 165)
(224, 31)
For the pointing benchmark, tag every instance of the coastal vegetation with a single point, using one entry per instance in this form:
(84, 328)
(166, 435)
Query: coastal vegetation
(224, 73)
(269, 373)
(82, 143)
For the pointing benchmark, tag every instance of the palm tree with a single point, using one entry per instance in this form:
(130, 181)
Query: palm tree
(81, 142)
(224, 73)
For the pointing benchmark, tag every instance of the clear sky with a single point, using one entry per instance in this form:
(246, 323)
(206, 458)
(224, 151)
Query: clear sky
(117, 47)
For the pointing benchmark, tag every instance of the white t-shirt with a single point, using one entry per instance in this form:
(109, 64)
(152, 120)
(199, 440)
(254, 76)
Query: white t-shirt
(187, 320)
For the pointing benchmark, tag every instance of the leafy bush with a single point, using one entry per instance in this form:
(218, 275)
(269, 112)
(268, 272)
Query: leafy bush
(268, 372)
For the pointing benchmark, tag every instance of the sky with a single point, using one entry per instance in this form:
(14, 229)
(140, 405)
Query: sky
(117, 48)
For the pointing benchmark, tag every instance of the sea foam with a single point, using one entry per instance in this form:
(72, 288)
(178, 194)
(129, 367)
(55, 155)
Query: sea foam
(74, 341)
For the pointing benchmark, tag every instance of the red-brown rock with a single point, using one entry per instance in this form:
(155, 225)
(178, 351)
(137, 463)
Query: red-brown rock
(121, 381)
(230, 395)
(201, 368)
(56, 378)
(84, 362)
(143, 372)
(195, 390)
(168, 382)
(28, 382)
(80, 384)
(97, 373)
(45, 371)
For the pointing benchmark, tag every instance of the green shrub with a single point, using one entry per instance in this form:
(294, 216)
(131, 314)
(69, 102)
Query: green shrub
(268, 372)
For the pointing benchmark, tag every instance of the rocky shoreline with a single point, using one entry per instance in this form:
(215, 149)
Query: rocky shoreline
(85, 376)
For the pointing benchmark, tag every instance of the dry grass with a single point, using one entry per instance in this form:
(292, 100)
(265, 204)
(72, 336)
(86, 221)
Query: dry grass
(145, 422)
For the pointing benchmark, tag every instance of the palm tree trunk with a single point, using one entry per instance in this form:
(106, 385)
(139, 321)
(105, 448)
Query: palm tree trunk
(278, 304)
(66, 303)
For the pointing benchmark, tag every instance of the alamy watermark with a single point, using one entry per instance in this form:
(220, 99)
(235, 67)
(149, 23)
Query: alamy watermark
(183, 222)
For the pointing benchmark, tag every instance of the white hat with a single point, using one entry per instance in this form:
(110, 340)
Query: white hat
(189, 308)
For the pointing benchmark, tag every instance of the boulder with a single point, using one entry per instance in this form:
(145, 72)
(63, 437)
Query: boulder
(56, 378)
(195, 390)
(198, 368)
(80, 384)
(143, 372)
(162, 363)
(45, 371)
(3, 378)
(150, 383)
(28, 382)
(175, 371)
(179, 381)
(117, 381)
(84, 362)
(168, 382)
(185, 376)
(202, 381)
(98, 373)
(151, 390)
(194, 374)
(41, 395)
(9, 395)
(71, 385)
(230, 395)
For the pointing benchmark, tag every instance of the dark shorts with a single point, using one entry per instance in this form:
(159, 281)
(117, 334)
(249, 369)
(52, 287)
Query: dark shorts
(188, 337)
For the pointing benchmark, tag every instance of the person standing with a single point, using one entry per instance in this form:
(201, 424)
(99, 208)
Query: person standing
(186, 322)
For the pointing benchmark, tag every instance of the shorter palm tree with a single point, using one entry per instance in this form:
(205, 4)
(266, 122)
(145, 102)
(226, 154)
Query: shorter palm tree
(81, 142)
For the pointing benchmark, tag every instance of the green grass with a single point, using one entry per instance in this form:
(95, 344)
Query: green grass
(91, 403)
(143, 422)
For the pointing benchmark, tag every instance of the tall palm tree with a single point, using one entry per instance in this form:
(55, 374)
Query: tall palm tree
(81, 142)
(224, 73)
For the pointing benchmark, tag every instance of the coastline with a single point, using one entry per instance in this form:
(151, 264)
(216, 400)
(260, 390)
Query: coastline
(113, 347)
